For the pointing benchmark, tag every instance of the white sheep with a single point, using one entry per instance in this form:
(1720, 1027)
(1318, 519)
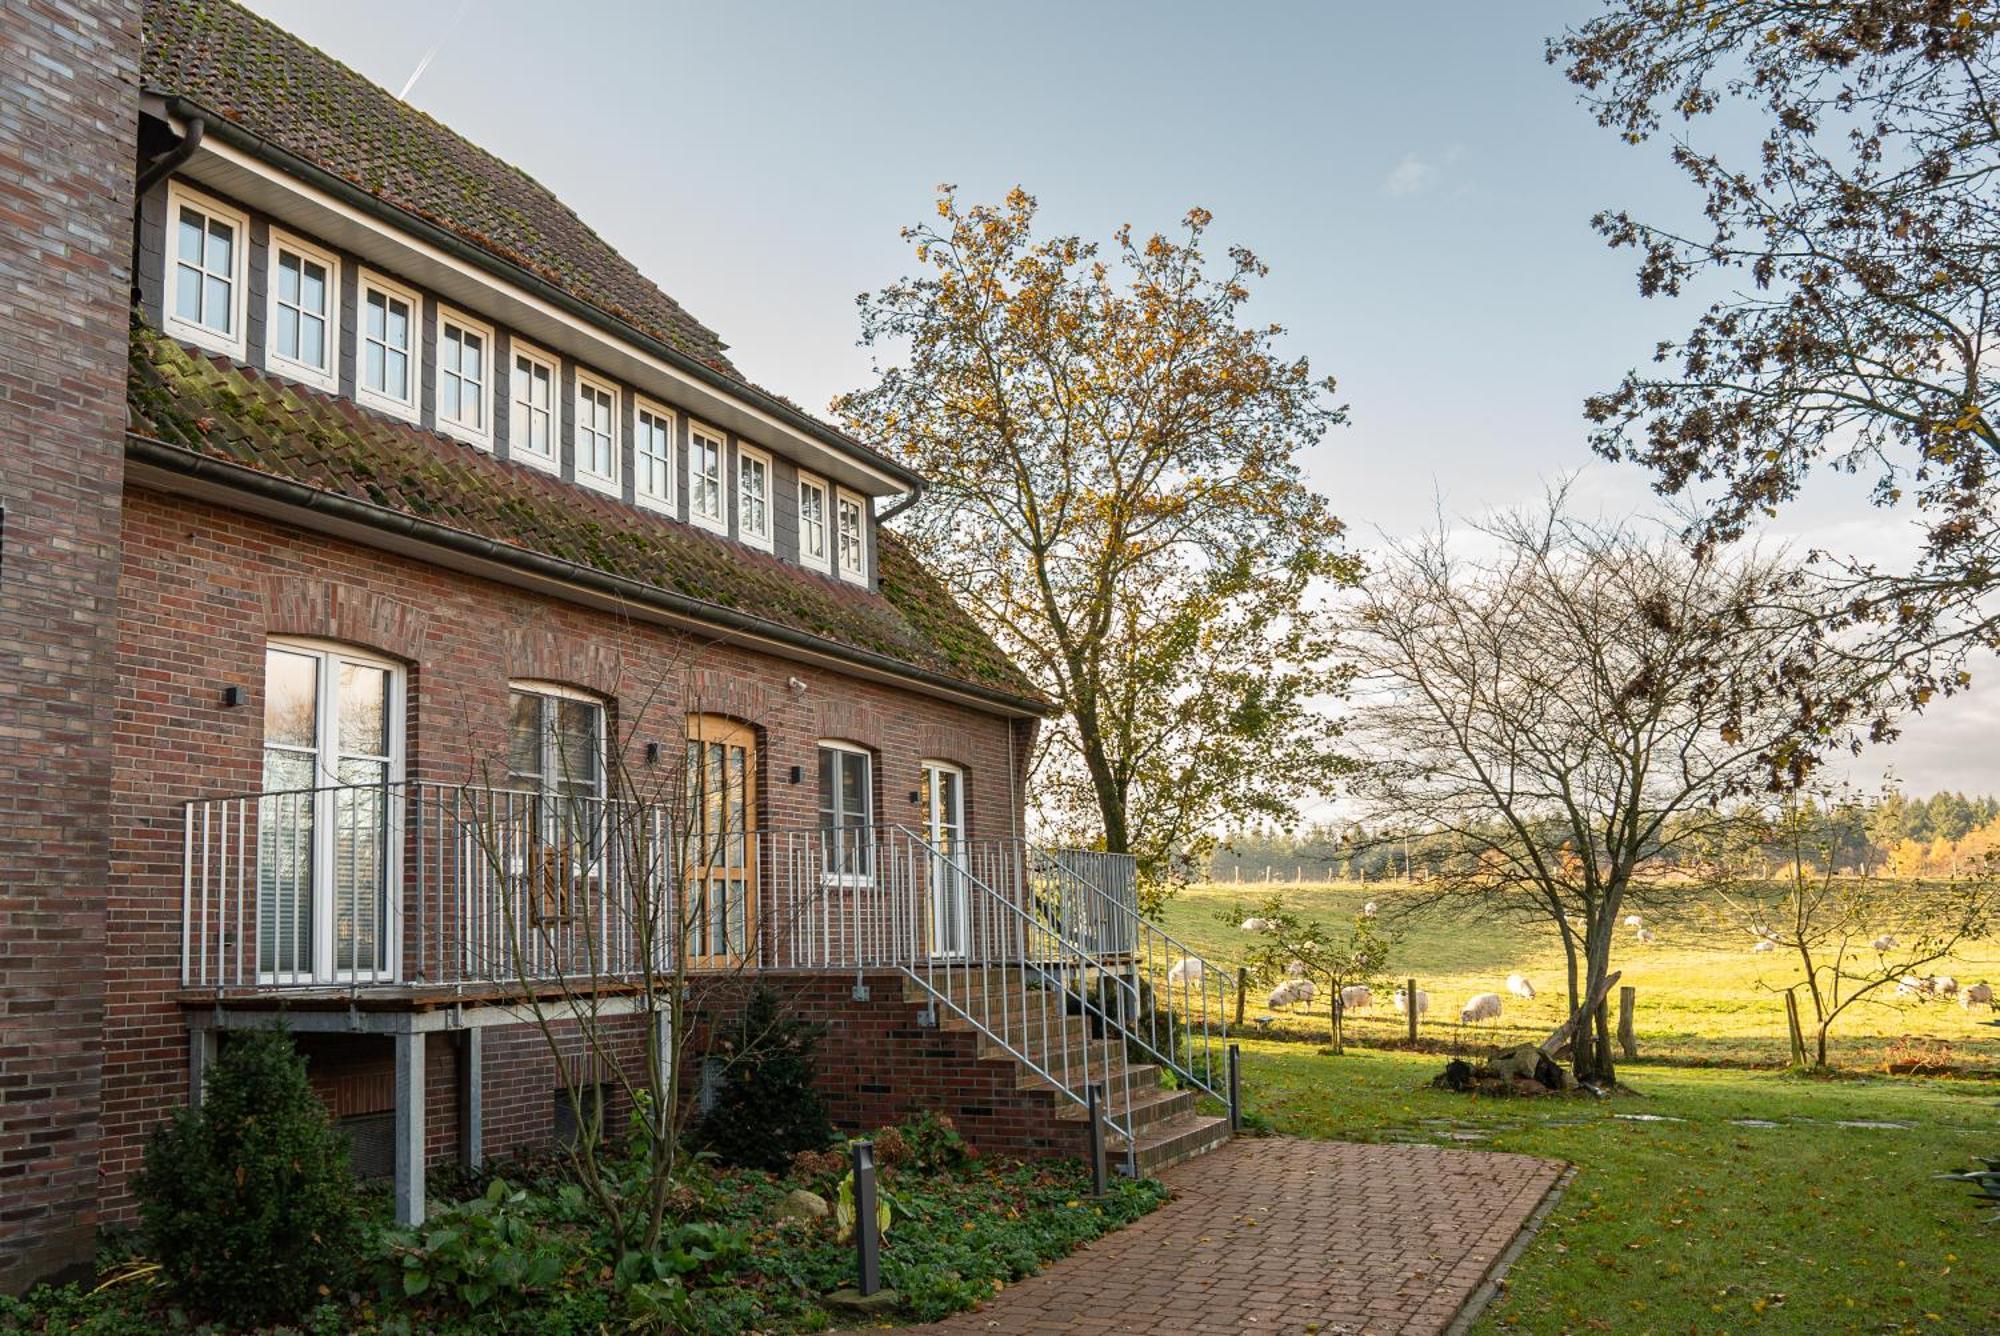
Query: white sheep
(1186, 972)
(1944, 986)
(1886, 942)
(1295, 969)
(1518, 985)
(1911, 986)
(1480, 1007)
(1764, 944)
(1403, 1002)
(1368, 910)
(1356, 996)
(1634, 921)
(1644, 937)
(1976, 994)
(1290, 993)
(1256, 925)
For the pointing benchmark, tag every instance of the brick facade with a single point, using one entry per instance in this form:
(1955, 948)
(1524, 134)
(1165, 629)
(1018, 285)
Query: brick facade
(67, 134)
(204, 588)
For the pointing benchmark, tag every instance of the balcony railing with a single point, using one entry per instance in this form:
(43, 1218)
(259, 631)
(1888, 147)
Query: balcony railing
(415, 883)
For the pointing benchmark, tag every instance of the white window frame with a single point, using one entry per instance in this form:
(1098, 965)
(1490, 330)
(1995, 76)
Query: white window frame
(670, 469)
(948, 874)
(697, 432)
(330, 653)
(481, 436)
(823, 562)
(529, 686)
(858, 573)
(324, 378)
(757, 538)
(866, 877)
(409, 409)
(516, 407)
(602, 482)
(236, 342)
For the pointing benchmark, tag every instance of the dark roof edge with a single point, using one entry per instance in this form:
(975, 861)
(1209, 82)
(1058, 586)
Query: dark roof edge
(229, 131)
(178, 459)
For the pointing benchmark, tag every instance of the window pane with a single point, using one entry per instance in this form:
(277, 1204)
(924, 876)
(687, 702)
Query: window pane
(189, 247)
(577, 735)
(524, 735)
(375, 375)
(215, 305)
(396, 379)
(448, 397)
(312, 288)
(288, 333)
(288, 279)
(377, 315)
(399, 324)
(364, 710)
(469, 357)
(221, 247)
(187, 293)
(291, 699)
(312, 341)
(828, 813)
(854, 788)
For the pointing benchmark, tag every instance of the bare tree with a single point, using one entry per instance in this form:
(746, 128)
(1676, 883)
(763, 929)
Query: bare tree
(1561, 712)
(1850, 938)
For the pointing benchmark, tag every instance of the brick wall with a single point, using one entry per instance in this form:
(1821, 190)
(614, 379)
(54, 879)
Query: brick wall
(67, 130)
(879, 1064)
(204, 587)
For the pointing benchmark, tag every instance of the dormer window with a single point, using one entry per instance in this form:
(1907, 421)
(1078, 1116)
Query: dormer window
(389, 357)
(532, 430)
(305, 333)
(205, 300)
(814, 548)
(705, 494)
(853, 541)
(753, 496)
(653, 458)
(464, 355)
(596, 434)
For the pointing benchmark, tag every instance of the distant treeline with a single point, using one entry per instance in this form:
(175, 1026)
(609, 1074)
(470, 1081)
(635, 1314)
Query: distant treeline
(1898, 833)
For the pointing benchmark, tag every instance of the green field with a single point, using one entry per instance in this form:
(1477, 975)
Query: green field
(1683, 1220)
(1698, 1001)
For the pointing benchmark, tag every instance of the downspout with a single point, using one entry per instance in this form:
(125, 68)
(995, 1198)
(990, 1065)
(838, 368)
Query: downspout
(916, 495)
(157, 170)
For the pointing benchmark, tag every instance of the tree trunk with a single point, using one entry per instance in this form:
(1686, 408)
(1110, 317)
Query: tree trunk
(1334, 1014)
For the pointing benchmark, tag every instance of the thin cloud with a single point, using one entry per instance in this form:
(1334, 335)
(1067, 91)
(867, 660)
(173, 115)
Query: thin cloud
(1415, 174)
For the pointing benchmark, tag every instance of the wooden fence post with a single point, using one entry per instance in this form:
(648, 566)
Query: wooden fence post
(1626, 997)
(1410, 1008)
(1242, 991)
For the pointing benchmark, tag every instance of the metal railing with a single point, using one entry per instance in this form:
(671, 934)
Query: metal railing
(420, 883)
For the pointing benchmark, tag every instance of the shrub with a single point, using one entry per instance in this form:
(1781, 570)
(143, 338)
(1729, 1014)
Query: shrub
(767, 1109)
(248, 1202)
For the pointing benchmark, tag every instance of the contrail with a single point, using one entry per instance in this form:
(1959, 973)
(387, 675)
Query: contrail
(431, 54)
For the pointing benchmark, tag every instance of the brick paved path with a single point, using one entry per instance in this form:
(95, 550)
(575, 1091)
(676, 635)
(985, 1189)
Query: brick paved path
(1279, 1235)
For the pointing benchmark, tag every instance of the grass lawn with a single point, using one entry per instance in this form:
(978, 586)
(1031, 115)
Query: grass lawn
(1698, 1002)
(1701, 1224)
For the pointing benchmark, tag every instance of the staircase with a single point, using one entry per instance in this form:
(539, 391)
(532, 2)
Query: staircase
(1150, 1125)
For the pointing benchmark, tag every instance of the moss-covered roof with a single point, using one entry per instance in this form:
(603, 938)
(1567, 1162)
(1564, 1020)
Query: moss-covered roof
(210, 406)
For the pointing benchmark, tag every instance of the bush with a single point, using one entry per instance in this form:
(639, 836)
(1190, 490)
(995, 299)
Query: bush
(248, 1202)
(767, 1109)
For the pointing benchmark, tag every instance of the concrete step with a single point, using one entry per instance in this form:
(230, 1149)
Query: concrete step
(1172, 1140)
(1151, 1107)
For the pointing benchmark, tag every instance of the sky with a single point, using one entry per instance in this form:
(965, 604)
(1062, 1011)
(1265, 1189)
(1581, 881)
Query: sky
(1418, 178)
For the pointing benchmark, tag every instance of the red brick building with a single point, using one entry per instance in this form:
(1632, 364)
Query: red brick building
(415, 626)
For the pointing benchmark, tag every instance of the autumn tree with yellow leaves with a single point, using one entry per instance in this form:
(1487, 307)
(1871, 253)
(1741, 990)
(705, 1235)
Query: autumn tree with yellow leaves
(1112, 451)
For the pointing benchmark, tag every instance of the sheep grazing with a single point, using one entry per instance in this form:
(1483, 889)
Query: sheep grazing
(1256, 925)
(1356, 996)
(1976, 995)
(1403, 1002)
(1481, 1007)
(1886, 942)
(1186, 972)
(1944, 986)
(1911, 986)
(1368, 910)
(1295, 969)
(1645, 937)
(1634, 921)
(1764, 944)
(1518, 985)
(1290, 993)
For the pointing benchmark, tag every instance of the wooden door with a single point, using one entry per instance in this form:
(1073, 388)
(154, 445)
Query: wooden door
(720, 914)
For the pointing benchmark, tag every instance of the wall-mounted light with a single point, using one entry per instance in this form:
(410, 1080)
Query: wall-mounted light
(652, 753)
(232, 697)
(915, 797)
(798, 773)
(797, 685)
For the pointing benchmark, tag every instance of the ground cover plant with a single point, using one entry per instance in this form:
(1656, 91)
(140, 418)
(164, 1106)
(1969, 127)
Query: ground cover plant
(1714, 1199)
(518, 1250)
(1698, 1001)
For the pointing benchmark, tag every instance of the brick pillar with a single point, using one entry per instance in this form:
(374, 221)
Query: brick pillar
(68, 135)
